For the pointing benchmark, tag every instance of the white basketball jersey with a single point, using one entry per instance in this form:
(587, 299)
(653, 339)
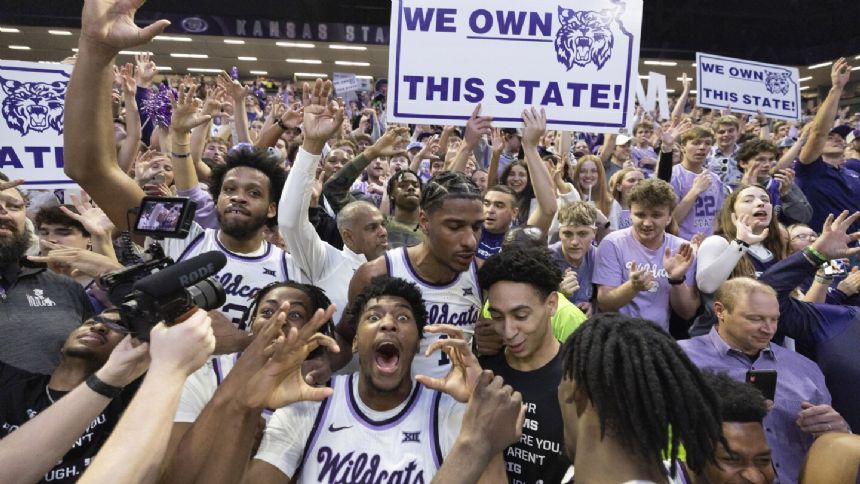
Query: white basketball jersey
(457, 303)
(243, 276)
(347, 446)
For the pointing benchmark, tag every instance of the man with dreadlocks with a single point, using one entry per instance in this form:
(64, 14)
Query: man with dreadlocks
(626, 392)
(442, 266)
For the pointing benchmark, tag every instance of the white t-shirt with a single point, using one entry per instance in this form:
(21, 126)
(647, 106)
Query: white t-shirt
(350, 431)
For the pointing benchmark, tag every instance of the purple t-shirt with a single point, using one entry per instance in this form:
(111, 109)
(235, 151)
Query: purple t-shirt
(612, 268)
(702, 216)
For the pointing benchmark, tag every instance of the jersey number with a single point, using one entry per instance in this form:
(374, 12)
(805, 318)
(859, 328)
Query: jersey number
(706, 206)
(443, 359)
(230, 310)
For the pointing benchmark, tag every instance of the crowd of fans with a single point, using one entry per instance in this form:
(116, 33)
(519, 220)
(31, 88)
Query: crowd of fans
(417, 303)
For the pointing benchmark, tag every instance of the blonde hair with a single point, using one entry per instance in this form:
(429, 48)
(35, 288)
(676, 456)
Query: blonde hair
(600, 190)
(577, 214)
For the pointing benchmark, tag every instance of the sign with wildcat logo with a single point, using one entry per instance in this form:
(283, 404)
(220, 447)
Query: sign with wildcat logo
(747, 86)
(577, 59)
(32, 97)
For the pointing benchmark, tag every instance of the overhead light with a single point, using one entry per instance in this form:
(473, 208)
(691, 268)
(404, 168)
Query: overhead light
(19, 47)
(203, 69)
(310, 74)
(133, 52)
(172, 38)
(660, 63)
(10, 30)
(855, 68)
(258, 73)
(692, 91)
(364, 77)
(350, 63)
(644, 77)
(304, 61)
(59, 32)
(163, 68)
(682, 79)
(823, 64)
(347, 47)
(74, 49)
(807, 78)
(693, 64)
(858, 57)
(300, 45)
(189, 56)
(234, 41)
(670, 90)
(803, 88)
(247, 58)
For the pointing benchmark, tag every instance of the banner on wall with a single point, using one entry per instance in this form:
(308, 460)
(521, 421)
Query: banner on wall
(578, 60)
(32, 97)
(747, 86)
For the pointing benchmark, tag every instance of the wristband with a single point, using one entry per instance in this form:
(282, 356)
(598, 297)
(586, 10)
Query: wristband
(281, 124)
(103, 388)
(676, 282)
(177, 155)
(818, 256)
(742, 243)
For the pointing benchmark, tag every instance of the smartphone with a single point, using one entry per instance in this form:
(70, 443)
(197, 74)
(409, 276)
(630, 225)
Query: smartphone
(835, 267)
(764, 380)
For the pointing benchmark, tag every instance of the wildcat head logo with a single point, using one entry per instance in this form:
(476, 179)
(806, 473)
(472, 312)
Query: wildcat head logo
(776, 82)
(33, 106)
(585, 37)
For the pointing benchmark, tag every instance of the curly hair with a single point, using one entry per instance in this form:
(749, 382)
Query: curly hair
(653, 193)
(645, 390)
(739, 402)
(753, 147)
(55, 216)
(395, 179)
(448, 185)
(389, 286)
(532, 266)
(251, 157)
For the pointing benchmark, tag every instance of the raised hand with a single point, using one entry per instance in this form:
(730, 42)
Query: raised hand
(851, 284)
(107, 26)
(641, 279)
(90, 216)
(75, 261)
(476, 127)
(429, 150)
(322, 117)
(498, 140)
(292, 117)
(786, 180)
(677, 264)
(669, 136)
(388, 144)
(216, 98)
(5, 185)
(834, 239)
(183, 347)
(127, 80)
(279, 382)
(744, 230)
(465, 369)
(840, 73)
(495, 415)
(685, 82)
(234, 89)
(186, 110)
(535, 126)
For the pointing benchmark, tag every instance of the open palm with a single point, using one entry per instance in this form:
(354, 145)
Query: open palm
(110, 25)
(322, 117)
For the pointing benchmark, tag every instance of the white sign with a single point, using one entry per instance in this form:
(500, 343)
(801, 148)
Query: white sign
(747, 86)
(32, 97)
(657, 94)
(344, 83)
(578, 60)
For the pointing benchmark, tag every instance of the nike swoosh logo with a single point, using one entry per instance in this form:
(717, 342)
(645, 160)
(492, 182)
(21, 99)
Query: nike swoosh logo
(332, 428)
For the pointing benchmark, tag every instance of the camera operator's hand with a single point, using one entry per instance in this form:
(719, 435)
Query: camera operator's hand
(279, 382)
(126, 363)
(184, 347)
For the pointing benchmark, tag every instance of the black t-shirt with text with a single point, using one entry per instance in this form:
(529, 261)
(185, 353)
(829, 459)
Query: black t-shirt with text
(539, 457)
(23, 395)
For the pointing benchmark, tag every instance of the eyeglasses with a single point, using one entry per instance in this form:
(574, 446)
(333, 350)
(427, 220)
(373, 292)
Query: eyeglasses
(805, 236)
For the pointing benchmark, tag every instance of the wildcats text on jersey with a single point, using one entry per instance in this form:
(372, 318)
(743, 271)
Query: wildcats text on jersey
(356, 468)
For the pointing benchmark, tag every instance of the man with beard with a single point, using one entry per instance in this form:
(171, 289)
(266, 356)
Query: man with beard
(404, 193)
(245, 189)
(39, 307)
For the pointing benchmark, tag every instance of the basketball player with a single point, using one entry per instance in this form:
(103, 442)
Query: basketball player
(442, 266)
